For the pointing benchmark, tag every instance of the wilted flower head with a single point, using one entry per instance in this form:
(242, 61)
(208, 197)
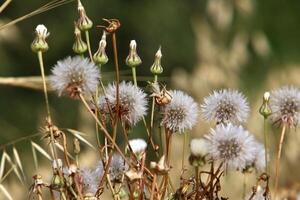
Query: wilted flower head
(156, 67)
(84, 23)
(285, 105)
(199, 147)
(133, 59)
(100, 57)
(232, 145)
(181, 113)
(132, 102)
(225, 106)
(138, 145)
(117, 168)
(74, 76)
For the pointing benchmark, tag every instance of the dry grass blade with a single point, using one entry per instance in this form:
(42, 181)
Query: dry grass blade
(35, 160)
(78, 135)
(44, 8)
(75, 132)
(18, 161)
(2, 165)
(41, 150)
(5, 192)
(16, 171)
(60, 147)
(4, 5)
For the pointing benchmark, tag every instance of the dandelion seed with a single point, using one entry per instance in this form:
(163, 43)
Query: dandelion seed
(225, 106)
(259, 195)
(138, 145)
(285, 105)
(259, 161)
(198, 147)
(232, 145)
(75, 75)
(117, 168)
(181, 113)
(133, 103)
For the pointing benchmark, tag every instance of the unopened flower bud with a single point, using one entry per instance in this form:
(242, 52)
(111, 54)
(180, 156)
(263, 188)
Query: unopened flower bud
(156, 68)
(39, 43)
(57, 164)
(76, 146)
(57, 182)
(79, 45)
(133, 59)
(100, 56)
(265, 109)
(84, 23)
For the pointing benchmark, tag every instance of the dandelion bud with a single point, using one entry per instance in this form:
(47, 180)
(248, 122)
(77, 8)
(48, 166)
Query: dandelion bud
(76, 146)
(133, 59)
(156, 68)
(57, 164)
(79, 45)
(100, 56)
(265, 109)
(199, 151)
(57, 182)
(84, 23)
(39, 43)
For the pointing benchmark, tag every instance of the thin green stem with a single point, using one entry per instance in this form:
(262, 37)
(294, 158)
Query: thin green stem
(133, 69)
(153, 106)
(183, 150)
(87, 38)
(266, 140)
(277, 169)
(40, 57)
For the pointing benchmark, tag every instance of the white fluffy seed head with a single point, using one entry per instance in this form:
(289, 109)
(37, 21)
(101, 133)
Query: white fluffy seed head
(90, 181)
(138, 145)
(199, 147)
(117, 168)
(225, 106)
(75, 75)
(259, 161)
(259, 195)
(285, 105)
(232, 145)
(133, 103)
(181, 113)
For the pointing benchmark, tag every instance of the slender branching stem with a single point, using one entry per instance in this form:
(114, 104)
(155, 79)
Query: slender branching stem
(266, 142)
(87, 37)
(277, 167)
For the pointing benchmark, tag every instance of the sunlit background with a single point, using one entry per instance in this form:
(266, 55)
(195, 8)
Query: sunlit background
(249, 45)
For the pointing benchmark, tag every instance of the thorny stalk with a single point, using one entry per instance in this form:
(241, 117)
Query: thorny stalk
(277, 167)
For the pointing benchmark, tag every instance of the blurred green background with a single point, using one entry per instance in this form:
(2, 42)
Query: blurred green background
(206, 44)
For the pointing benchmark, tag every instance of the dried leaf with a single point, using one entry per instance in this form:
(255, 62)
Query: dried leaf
(60, 147)
(41, 150)
(5, 192)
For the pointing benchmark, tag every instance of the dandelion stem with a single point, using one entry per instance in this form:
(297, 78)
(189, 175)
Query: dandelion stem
(183, 150)
(244, 185)
(277, 169)
(87, 37)
(266, 140)
(40, 58)
(133, 69)
(197, 181)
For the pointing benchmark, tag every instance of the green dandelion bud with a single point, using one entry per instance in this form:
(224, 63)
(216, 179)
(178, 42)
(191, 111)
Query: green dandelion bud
(133, 59)
(57, 182)
(84, 23)
(156, 68)
(79, 45)
(100, 56)
(39, 43)
(265, 109)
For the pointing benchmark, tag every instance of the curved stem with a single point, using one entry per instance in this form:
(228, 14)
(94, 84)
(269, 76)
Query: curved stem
(87, 37)
(277, 169)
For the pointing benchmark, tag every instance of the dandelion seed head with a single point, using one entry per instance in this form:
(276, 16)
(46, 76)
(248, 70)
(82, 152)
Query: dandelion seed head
(225, 106)
(133, 103)
(117, 168)
(99, 169)
(75, 75)
(285, 105)
(181, 113)
(138, 145)
(259, 160)
(232, 145)
(90, 181)
(259, 195)
(199, 147)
